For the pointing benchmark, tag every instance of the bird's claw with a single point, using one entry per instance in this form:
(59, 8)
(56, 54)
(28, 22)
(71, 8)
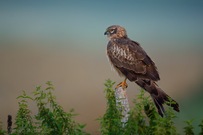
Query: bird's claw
(123, 84)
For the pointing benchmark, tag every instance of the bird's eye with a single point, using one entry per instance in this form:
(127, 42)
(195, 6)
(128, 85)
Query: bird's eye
(112, 31)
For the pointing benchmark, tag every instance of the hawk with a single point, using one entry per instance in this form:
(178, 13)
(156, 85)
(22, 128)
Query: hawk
(131, 61)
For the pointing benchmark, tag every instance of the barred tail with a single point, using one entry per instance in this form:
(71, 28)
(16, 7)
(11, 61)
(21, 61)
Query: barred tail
(158, 95)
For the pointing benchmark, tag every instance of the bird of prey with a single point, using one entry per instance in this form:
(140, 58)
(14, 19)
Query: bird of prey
(131, 61)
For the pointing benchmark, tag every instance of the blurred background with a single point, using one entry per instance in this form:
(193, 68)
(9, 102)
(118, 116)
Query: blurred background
(64, 42)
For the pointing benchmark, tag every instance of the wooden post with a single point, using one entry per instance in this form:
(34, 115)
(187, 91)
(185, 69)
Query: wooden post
(9, 124)
(122, 103)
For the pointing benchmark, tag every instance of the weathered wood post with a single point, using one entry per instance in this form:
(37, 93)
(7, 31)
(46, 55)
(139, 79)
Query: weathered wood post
(122, 103)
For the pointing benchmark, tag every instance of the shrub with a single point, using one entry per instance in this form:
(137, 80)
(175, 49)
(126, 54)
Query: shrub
(143, 117)
(51, 119)
(2, 132)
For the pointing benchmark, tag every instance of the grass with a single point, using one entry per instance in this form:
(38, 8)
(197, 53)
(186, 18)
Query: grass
(51, 118)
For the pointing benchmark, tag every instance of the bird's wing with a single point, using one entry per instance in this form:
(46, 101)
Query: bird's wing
(129, 56)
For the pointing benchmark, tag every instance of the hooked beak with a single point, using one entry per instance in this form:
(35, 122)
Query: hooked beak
(106, 33)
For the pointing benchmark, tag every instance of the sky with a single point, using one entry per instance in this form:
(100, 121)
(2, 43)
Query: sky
(64, 42)
(85, 21)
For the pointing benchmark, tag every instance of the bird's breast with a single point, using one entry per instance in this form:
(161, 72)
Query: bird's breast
(121, 52)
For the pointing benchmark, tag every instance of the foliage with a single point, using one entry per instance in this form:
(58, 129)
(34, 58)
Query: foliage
(24, 122)
(201, 126)
(111, 121)
(143, 117)
(51, 116)
(2, 132)
(188, 129)
(51, 119)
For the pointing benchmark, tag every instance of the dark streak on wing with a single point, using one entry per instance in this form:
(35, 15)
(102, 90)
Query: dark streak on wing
(130, 59)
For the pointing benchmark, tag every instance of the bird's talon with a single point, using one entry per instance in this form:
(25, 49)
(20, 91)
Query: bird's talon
(123, 84)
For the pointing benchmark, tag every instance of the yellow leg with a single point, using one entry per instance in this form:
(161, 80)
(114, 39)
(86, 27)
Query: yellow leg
(122, 84)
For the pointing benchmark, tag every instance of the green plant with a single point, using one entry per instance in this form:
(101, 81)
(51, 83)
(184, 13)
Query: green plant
(201, 126)
(50, 119)
(143, 117)
(51, 116)
(24, 122)
(188, 129)
(111, 121)
(2, 132)
(137, 123)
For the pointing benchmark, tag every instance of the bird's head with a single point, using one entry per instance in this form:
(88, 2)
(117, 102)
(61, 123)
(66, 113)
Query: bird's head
(115, 31)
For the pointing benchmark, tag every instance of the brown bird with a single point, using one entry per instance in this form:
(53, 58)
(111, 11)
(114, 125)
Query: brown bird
(131, 61)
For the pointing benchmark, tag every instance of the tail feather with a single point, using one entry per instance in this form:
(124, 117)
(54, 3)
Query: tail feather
(158, 95)
(159, 107)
